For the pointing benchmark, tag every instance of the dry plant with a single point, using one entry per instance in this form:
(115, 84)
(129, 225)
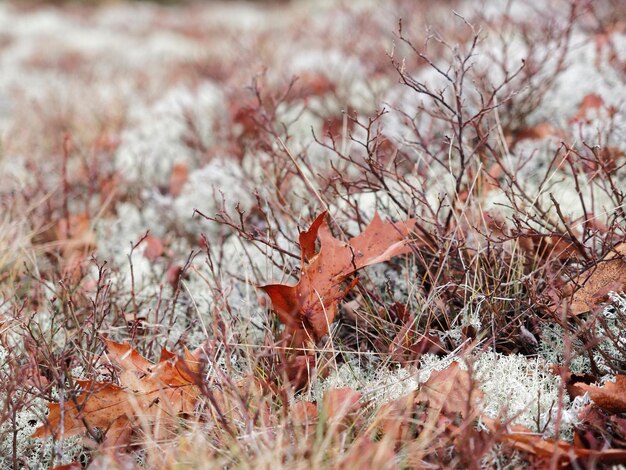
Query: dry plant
(394, 256)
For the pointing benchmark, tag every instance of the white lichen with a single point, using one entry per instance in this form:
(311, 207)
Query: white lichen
(219, 185)
(155, 140)
(513, 387)
(520, 389)
(610, 341)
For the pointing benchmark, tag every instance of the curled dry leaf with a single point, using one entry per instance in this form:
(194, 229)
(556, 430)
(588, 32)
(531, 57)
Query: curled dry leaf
(608, 275)
(395, 419)
(338, 406)
(303, 413)
(552, 453)
(298, 368)
(150, 397)
(610, 397)
(408, 345)
(311, 304)
(446, 392)
(340, 403)
(308, 238)
(547, 247)
(450, 390)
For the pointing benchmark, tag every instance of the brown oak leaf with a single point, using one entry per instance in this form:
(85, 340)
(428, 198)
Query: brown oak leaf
(149, 397)
(311, 304)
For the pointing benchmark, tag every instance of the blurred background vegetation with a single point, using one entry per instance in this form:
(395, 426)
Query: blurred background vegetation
(105, 2)
(98, 2)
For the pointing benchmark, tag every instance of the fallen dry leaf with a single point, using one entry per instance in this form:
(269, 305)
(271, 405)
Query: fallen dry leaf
(610, 397)
(395, 419)
(308, 238)
(339, 403)
(450, 390)
(369, 454)
(154, 248)
(606, 159)
(539, 131)
(150, 396)
(408, 345)
(69, 466)
(608, 275)
(338, 406)
(589, 102)
(311, 304)
(178, 178)
(242, 401)
(560, 453)
(71, 239)
(303, 413)
(548, 246)
(297, 366)
(446, 392)
(592, 429)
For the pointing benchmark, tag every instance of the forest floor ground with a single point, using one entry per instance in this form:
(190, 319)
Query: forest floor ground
(313, 234)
